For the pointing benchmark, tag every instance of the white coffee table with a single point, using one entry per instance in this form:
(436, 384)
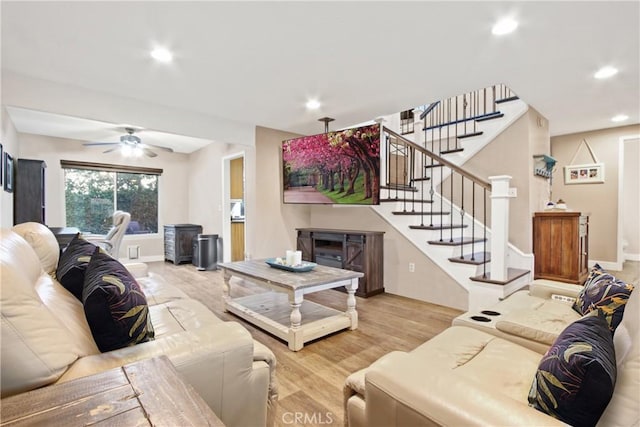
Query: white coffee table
(283, 312)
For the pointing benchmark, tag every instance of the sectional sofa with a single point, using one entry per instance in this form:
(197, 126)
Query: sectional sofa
(46, 338)
(486, 372)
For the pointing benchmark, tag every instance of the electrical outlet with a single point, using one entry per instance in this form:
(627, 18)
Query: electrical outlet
(412, 267)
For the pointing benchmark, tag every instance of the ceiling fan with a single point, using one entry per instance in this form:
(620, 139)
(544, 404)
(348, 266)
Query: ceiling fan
(130, 144)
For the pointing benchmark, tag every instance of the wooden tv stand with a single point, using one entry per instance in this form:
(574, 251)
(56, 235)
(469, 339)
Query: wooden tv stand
(355, 250)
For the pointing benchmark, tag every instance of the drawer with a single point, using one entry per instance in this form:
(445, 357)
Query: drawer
(331, 237)
(329, 261)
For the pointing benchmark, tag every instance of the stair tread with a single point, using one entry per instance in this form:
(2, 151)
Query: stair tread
(455, 150)
(399, 187)
(457, 241)
(437, 226)
(419, 213)
(426, 178)
(475, 258)
(490, 117)
(405, 200)
(469, 135)
(512, 274)
(511, 98)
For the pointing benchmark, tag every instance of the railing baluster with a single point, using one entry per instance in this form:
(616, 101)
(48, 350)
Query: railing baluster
(473, 221)
(484, 236)
(461, 214)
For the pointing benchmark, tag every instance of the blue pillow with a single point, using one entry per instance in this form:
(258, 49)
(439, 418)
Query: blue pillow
(604, 292)
(73, 264)
(576, 377)
(114, 305)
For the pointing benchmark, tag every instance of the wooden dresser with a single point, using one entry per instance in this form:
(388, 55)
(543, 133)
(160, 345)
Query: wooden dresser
(178, 242)
(561, 246)
(354, 250)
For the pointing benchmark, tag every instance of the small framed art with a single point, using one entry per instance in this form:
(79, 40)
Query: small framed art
(592, 173)
(8, 173)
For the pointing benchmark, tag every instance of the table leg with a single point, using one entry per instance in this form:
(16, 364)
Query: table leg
(226, 288)
(351, 303)
(295, 333)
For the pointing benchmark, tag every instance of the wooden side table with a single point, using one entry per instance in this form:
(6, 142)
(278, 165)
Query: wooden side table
(150, 392)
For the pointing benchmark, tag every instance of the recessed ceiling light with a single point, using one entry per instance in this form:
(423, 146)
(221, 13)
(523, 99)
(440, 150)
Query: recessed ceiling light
(312, 104)
(504, 26)
(619, 118)
(161, 54)
(605, 72)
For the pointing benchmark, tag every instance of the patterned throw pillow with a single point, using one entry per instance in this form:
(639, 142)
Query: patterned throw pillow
(73, 263)
(576, 377)
(115, 306)
(602, 291)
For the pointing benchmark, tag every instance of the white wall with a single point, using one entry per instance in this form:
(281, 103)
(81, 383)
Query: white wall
(172, 186)
(9, 141)
(631, 199)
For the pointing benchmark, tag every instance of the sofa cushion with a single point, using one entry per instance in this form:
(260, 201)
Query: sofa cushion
(604, 292)
(115, 306)
(73, 264)
(42, 241)
(36, 348)
(576, 377)
(542, 324)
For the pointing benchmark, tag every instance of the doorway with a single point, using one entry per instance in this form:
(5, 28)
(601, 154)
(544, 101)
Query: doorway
(233, 208)
(628, 200)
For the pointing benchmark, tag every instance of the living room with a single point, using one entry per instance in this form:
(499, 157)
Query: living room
(186, 192)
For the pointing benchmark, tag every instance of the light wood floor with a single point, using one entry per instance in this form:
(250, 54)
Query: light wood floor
(311, 379)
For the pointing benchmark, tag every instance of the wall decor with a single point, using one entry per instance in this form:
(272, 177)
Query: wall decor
(340, 167)
(588, 173)
(8, 173)
(591, 173)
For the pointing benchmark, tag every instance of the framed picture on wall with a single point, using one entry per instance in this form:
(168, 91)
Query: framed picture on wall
(592, 173)
(8, 173)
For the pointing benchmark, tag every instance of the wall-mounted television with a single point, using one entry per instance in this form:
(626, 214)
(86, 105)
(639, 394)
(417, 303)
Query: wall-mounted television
(341, 167)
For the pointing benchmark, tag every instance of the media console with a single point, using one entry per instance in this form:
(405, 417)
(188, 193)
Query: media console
(354, 250)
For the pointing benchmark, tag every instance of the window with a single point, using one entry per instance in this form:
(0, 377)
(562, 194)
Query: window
(406, 122)
(94, 191)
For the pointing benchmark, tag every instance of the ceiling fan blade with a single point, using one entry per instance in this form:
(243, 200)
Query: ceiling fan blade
(170, 150)
(110, 150)
(148, 152)
(91, 144)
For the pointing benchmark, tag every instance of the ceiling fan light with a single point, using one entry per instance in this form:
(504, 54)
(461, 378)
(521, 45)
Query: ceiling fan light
(126, 150)
(137, 151)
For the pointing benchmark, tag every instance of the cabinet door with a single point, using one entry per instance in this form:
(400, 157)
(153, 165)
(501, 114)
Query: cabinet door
(305, 245)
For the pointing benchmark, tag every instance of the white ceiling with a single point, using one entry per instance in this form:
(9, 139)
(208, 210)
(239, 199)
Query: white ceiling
(258, 62)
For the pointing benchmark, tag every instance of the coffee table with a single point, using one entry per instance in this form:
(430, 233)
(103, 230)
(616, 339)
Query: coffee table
(283, 312)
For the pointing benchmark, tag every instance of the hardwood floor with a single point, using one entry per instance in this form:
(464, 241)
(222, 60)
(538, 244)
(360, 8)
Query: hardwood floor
(310, 381)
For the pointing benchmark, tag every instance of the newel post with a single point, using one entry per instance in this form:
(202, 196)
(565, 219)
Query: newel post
(499, 226)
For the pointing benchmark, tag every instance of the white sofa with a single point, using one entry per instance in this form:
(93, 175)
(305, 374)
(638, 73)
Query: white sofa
(46, 339)
(466, 377)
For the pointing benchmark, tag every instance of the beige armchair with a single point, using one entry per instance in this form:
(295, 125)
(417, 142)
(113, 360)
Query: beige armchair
(111, 241)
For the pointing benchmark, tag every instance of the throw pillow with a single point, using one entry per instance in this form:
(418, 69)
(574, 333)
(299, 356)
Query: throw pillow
(73, 263)
(604, 292)
(576, 377)
(114, 304)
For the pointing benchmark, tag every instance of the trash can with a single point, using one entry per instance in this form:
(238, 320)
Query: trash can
(205, 251)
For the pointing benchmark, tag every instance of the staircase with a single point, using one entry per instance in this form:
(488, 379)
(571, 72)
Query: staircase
(458, 220)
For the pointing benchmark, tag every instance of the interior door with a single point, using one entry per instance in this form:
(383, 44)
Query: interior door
(236, 191)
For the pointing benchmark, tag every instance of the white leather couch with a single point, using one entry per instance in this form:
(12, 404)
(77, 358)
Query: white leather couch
(467, 377)
(532, 318)
(46, 339)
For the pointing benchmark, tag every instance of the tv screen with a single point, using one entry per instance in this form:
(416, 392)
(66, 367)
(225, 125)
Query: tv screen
(341, 167)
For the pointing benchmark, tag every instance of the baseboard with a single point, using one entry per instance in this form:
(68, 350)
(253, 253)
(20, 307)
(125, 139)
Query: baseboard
(152, 258)
(607, 265)
(632, 257)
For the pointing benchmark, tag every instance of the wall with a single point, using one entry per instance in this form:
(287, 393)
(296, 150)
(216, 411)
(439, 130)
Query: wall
(631, 200)
(599, 201)
(173, 197)
(511, 153)
(9, 141)
(271, 224)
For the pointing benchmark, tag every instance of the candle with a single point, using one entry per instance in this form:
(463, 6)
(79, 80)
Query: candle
(289, 258)
(297, 258)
